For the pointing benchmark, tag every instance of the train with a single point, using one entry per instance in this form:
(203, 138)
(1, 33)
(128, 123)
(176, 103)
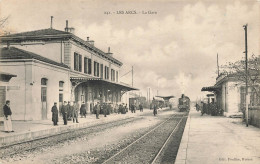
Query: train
(184, 103)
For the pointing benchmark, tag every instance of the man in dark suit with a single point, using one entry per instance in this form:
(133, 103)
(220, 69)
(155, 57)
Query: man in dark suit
(64, 111)
(54, 111)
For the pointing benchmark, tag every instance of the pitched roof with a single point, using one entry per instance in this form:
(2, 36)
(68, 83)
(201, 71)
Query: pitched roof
(15, 53)
(53, 33)
(42, 32)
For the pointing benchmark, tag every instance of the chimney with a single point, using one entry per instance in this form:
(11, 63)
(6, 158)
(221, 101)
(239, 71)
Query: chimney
(90, 41)
(69, 29)
(51, 21)
(109, 53)
(67, 24)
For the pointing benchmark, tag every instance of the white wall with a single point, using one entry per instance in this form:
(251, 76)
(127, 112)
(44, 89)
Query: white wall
(233, 98)
(50, 50)
(17, 95)
(54, 75)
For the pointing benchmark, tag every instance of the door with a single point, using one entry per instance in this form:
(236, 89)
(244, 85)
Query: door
(44, 102)
(2, 100)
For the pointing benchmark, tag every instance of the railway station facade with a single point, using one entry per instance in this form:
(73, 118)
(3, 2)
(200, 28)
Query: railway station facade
(49, 65)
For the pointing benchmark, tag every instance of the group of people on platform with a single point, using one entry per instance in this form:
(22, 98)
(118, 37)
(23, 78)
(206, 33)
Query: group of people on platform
(108, 108)
(134, 107)
(68, 111)
(209, 108)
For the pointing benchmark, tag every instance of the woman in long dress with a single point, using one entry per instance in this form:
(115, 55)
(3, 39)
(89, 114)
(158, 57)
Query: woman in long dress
(8, 127)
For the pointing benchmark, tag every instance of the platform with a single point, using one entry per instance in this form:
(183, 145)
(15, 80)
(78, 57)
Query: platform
(216, 139)
(30, 130)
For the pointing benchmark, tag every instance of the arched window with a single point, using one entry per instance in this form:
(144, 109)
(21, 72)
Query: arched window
(61, 83)
(44, 81)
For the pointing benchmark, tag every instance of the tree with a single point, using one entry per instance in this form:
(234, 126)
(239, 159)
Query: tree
(3, 22)
(237, 70)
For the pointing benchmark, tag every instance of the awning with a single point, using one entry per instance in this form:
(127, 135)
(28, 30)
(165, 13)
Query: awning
(211, 88)
(103, 81)
(165, 97)
(5, 77)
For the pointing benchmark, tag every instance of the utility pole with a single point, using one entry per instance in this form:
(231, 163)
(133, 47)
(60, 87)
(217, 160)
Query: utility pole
(51, 21)
(132, 76)
(149, 95)
(217, 64)
(246, 102)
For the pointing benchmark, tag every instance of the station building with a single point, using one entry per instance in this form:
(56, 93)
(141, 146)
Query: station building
(230, 94)
(45, 66)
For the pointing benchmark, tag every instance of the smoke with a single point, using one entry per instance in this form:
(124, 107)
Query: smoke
(183, 81)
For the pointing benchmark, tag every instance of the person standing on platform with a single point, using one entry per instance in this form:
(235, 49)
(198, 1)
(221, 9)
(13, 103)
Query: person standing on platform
(203, 110)
(154, 109)
(105, 110)
(75, 112)
(83, 111)
(54, 111)
(64, 111)
(141, 107)
(69, 114)
(8, 127)
(97, 110)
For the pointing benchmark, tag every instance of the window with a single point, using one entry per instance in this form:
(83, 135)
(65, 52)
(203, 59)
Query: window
(101, 71)
(61, 83)
(77, 62)
(116, 76)
(112, 74)
(106, 72)
(89, 66)
(80, 63)
(95, 68)
(85, 65)
(60, 97)
(44, 81)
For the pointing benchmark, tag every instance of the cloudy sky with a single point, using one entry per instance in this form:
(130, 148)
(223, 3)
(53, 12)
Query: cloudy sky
(173, 50)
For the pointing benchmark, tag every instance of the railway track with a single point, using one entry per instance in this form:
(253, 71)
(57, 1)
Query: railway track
(149, 147)
(26, 146)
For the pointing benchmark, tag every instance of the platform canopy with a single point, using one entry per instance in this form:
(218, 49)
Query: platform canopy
(211, 88)
(165, 97)
(101, 81)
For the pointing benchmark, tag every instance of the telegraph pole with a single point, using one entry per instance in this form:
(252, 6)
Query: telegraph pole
(246, 102)
(132, 76)
(217, 64)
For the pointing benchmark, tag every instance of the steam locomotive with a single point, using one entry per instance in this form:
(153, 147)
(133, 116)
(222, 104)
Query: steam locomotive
(184, 103)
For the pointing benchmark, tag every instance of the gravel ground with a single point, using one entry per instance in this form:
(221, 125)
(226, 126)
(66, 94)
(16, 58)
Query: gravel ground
(146, 149)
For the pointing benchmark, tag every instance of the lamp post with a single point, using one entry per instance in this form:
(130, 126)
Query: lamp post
(246, 102)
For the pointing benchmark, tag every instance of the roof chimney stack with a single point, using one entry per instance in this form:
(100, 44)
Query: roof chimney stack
(69, 29)
(109, 53)
(67, 26)
(51, 21)
(90, 41)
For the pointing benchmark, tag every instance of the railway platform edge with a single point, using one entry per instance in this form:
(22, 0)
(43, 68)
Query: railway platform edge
(218, 140)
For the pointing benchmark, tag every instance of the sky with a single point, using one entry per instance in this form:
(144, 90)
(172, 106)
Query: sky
(173, 50)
